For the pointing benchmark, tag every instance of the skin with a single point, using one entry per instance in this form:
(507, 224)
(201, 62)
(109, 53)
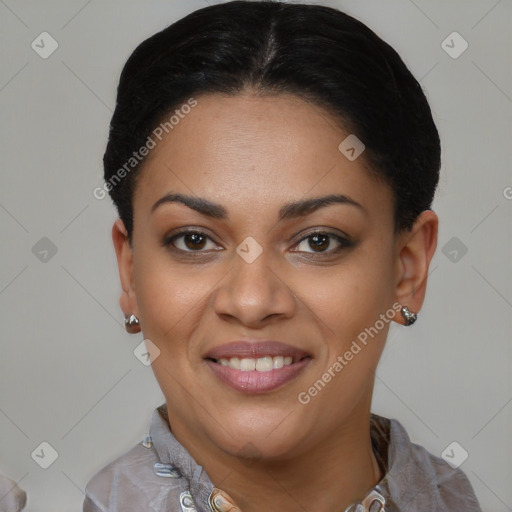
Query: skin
(251, 155)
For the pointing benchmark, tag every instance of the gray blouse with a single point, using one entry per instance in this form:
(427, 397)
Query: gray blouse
(159, 475)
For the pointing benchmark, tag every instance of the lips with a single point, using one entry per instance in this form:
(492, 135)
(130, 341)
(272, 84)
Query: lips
(258, 366)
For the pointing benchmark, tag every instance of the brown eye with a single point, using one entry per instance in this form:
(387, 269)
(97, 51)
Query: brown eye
(322, 242)
(191, 241)
(319, 242)
(194, 241)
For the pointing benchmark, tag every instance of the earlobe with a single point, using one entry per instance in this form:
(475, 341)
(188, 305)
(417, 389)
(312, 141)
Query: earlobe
(124, 257)
(415, 249)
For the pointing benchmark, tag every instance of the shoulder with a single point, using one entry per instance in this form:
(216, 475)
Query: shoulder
(156, 475)
(419, 480)
(130, 482)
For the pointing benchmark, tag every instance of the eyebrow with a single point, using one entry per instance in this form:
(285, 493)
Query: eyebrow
(288, 211)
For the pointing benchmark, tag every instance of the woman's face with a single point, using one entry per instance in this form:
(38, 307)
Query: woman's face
(248, 255)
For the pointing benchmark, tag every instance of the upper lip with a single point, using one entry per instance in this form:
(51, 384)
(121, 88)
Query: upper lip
(256, 349)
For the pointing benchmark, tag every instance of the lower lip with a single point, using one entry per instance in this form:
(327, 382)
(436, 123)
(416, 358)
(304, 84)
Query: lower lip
(254, 381)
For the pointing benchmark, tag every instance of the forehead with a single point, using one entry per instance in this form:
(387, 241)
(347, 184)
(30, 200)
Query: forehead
(259, 151)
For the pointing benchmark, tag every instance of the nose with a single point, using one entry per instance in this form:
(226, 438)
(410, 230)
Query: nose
(254, 294)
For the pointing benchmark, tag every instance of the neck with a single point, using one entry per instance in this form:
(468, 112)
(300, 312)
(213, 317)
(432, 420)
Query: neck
(327, 478)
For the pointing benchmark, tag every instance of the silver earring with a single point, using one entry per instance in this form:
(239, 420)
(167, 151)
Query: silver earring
(408, 315)
(131, 324)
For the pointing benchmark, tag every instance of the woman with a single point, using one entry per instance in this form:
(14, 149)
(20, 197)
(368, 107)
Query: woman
(273, 166)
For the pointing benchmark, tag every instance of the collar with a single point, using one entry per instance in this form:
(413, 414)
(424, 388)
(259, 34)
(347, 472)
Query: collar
(412, 476)
(171, 452)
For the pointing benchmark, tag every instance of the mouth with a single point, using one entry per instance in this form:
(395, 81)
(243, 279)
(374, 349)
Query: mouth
(257, 367)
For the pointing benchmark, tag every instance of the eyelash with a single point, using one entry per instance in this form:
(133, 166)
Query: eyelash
(344, 243)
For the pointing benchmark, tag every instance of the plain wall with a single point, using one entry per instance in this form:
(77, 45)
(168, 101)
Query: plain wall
(68, 375)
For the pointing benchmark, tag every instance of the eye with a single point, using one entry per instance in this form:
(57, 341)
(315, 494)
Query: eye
(322, 242)
(191, 241)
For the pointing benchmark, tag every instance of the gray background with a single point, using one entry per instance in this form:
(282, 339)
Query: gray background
(68, 375)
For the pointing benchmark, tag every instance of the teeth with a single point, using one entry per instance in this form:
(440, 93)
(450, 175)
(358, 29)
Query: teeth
(246, 365)
(278, 362)
(262, 364)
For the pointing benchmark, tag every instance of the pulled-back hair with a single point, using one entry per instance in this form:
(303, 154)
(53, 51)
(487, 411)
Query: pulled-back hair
(318, 53)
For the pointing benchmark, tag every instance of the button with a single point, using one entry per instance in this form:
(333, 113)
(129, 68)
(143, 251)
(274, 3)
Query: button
(374, 502)
(166, 470)
(220, 501)
(147, 442)
(376, 506)
(186, 502)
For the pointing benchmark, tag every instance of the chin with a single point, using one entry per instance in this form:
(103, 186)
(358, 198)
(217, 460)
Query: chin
(269, 437)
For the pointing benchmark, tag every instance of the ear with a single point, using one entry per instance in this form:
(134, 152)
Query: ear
(415, 249)
(127, 301)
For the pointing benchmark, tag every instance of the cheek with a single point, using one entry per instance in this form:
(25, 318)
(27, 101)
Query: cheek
(351, 296)
(169, 297)
(348, 303)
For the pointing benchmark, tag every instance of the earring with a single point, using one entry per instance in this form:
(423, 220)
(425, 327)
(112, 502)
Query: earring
(408, 315)
(131, 324)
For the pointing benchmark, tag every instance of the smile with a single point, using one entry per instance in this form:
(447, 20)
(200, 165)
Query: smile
(262, 364)
(258, 367)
